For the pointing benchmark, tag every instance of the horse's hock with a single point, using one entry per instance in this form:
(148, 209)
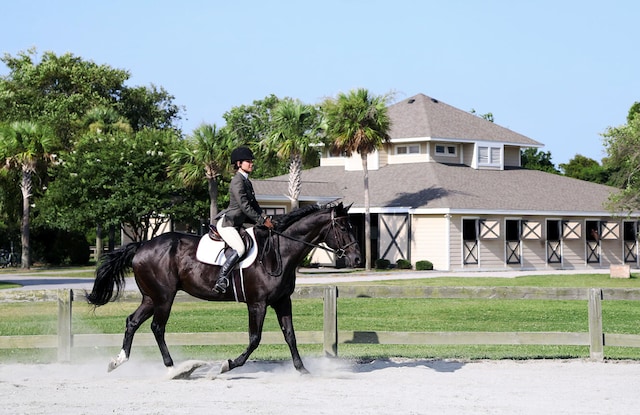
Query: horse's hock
(620, 271)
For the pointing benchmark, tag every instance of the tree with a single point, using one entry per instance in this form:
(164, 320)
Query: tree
(57, 91)
(294, 132)
(23, 145)
(251, 124)
(148, 107)
(623, 148)
(533, 159)
(584, 168)
(204, 155)
(358, 122)
(117, 179)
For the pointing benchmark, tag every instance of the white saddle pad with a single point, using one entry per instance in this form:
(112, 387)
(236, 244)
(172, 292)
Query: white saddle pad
(212, 252)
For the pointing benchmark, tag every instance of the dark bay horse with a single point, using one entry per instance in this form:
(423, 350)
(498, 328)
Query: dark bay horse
(167, 263)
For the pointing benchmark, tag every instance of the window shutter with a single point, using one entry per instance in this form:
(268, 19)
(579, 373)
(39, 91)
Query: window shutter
(610, 230)
(531, 230)
(489, 229)
(571, 229)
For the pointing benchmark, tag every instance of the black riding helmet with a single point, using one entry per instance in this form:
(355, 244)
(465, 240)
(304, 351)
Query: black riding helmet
(241, 153)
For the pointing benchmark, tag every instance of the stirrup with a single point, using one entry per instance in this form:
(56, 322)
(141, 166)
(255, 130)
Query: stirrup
(221, 285)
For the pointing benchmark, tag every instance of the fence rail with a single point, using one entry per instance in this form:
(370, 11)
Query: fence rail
(331, 336)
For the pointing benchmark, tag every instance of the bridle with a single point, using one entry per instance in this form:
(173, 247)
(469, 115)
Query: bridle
(340, 252)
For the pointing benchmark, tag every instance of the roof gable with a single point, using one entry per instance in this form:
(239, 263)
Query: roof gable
(423, 117)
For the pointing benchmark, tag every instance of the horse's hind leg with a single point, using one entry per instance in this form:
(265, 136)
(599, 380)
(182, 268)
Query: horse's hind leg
(142, 314)
(158, 326)
(284, 313)
(256, 321)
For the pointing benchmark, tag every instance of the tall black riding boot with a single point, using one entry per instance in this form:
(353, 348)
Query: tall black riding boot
(223, 279)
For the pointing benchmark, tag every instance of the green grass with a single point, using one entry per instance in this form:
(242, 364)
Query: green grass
(362, 314)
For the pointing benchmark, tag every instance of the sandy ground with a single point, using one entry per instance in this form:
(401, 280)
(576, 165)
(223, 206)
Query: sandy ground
(335, 386)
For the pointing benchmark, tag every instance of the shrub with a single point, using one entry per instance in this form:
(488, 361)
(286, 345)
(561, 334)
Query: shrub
(403, 264)
(424, 265)
(382, 263)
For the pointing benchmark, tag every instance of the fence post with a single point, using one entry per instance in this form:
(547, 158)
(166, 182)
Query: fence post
(331, 321)
(64, 325)
(596, 336)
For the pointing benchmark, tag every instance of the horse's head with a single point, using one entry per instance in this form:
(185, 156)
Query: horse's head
(340, 236)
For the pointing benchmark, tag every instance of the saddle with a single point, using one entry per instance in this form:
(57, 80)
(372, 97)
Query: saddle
(212, 249)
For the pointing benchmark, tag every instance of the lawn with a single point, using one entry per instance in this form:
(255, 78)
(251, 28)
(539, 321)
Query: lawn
(363, 314)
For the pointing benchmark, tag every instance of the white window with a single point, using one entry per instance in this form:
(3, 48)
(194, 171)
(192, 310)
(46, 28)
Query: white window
(408, 149)
(445, 150)
(489, 155)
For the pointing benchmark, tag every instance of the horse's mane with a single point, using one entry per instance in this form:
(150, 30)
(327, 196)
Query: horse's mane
(284, 221)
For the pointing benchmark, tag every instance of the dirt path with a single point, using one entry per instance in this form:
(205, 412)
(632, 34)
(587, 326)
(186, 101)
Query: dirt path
(335, 387)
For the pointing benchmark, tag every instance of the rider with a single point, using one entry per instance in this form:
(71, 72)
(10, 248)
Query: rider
(243, 208)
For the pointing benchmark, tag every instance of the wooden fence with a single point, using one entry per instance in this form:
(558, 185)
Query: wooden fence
(331, 336)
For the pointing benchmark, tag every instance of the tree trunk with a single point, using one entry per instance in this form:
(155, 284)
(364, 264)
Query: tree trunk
(295, 180)
(99, 243)
(213, 198)
(25, 187)
(367, 214)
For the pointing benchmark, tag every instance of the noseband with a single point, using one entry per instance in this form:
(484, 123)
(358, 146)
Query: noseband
(339, 252)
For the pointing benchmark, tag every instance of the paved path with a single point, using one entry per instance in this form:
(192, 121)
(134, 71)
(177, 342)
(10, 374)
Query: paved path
(64, 279)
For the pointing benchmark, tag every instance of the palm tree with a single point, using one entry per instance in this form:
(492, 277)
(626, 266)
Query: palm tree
(23, 145)
(204, 155)
(295, 130)
(358, 122)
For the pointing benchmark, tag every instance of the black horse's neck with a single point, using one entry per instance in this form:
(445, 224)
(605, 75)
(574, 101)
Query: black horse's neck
(295, 235)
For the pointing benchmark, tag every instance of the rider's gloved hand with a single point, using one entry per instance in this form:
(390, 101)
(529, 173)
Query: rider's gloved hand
(268, 223)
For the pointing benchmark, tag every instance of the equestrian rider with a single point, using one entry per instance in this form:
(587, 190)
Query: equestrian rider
(243, 208)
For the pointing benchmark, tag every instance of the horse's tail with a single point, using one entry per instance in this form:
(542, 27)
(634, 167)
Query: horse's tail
(111, 273)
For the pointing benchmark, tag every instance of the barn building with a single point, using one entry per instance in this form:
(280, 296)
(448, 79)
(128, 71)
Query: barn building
(449, 188)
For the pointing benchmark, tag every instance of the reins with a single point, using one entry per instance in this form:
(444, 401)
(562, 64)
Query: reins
(340, 252)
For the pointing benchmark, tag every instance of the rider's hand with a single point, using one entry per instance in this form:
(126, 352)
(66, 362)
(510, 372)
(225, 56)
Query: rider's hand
(267, 223)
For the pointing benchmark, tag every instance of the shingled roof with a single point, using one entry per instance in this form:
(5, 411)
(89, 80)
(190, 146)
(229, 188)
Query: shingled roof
(452, 188)
(423, 117)
(458, 188)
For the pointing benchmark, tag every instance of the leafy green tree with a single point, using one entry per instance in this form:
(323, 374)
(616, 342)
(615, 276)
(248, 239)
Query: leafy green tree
(148, 107)
(623, 148)
(57, 91)
(358, 122)
(295, 129)
(24, 145)
(585, 168)
(203, 156)
(633, 111)
(117, 179)
(533, 159)
(250, 125)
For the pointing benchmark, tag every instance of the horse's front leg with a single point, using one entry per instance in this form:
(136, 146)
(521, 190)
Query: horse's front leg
(257, 312)
(284, 313)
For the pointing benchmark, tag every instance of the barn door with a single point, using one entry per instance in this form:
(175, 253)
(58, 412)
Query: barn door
(394, 236)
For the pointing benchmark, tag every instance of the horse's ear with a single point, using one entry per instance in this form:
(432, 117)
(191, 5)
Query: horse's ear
(348, 207)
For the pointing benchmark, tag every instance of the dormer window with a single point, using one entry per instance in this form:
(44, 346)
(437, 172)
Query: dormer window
(408, 149)
(445, 150)
(489, 156)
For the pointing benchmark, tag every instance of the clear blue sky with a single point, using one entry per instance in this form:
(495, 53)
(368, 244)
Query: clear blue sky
(559, 72)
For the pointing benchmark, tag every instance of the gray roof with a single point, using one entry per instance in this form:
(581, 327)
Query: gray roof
(423, 117)
(277, 188)
(447, 187)
(429, 185)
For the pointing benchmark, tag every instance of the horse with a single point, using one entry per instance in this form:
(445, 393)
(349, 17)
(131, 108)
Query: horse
(167, 263)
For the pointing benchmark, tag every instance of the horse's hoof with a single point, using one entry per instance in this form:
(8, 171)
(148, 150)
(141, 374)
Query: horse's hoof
(225, 367)
(113, 364)
(304, 371)
(117, 361)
